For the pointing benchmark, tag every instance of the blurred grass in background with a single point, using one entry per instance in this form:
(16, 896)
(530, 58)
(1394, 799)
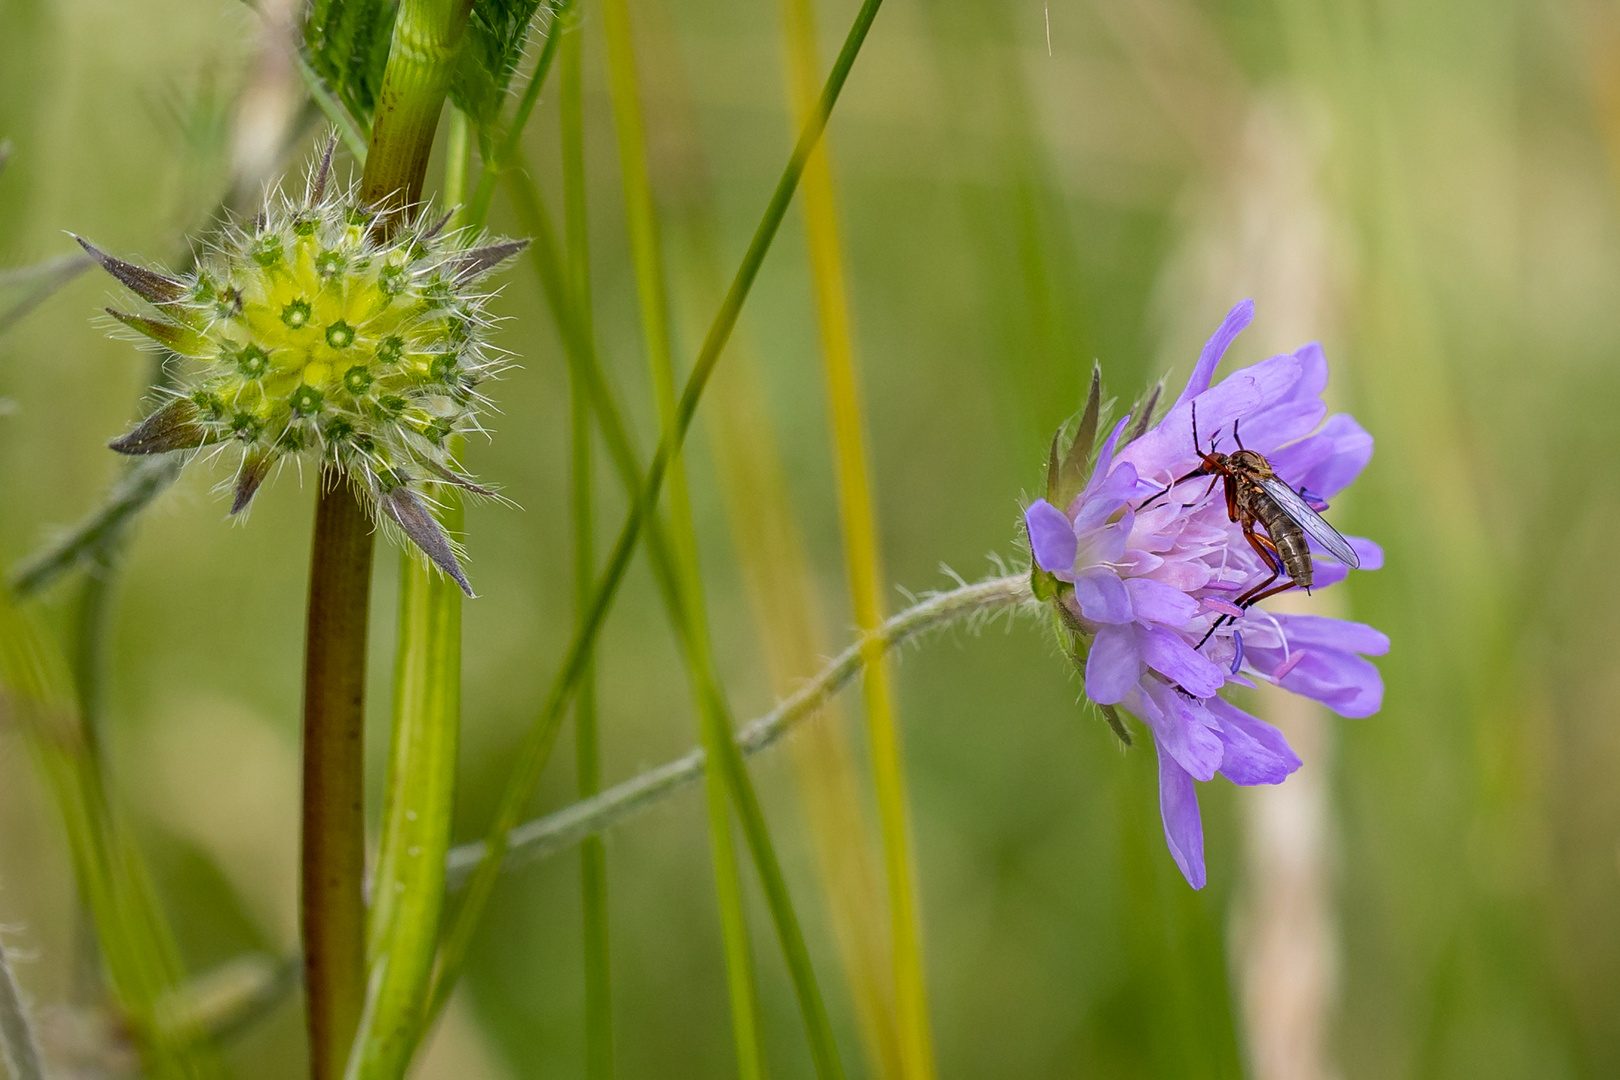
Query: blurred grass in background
(1429, 187)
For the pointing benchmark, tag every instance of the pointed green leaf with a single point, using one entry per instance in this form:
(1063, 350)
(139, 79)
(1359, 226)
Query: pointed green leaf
(496, 33)
(346, 43)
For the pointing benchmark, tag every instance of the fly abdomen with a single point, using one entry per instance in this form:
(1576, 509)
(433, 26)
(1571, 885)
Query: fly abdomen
(1288, 538)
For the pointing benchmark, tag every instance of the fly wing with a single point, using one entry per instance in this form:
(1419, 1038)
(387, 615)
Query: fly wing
(1309, 520)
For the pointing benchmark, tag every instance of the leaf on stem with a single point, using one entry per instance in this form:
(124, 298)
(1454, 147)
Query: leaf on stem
(490, 51)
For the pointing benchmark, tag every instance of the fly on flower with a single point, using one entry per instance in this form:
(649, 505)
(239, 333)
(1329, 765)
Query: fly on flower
(1255, 495)
(1138, 588)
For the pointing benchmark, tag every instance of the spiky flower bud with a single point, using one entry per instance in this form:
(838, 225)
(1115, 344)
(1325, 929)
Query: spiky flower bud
(313, 332)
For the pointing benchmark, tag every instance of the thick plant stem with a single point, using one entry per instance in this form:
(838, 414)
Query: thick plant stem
(334, 825)
(421, 58)
(861, 553)
(422, 54)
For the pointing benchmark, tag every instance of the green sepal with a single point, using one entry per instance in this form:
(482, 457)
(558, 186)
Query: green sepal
(1070, 475)
(180, 339)
(1144, 412)
(1076, 642)
(1117, 725)
(173, 427)
(1043, 584)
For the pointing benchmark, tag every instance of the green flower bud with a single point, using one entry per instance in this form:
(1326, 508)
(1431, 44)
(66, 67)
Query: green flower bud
(306, 334)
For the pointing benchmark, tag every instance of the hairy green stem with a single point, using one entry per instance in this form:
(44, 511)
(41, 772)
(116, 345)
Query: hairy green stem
(419, 797)
(559, 831)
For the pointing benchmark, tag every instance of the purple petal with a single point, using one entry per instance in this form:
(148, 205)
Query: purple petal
(1105, 462)
(1169, 654)
(1051, 537)
(1271, 428)
(1313, 370)
(1236, 321)
(1102, 596)
(1256, 752)
(1154, 601)
(1347, 684)
(1182, 727)
(1341, 635)
(1183, 829)
(1098, 503)
(1114, 665)
(1169, 446)
(1181, 575)
(1327, 461)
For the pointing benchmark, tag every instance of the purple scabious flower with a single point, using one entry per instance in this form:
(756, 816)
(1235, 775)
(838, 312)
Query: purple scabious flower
(1140, 589)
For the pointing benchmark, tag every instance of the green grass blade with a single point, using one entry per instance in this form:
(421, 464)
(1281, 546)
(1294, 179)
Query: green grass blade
(587, 756)
(714, 726)
(532, 754)
(863, 562)
(137, 947)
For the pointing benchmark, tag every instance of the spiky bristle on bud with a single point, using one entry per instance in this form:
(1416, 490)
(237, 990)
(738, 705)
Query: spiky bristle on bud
(310, 336)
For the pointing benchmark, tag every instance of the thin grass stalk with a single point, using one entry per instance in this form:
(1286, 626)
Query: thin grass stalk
(137, 947)
(863, 559)
(714, 725)
(585, 371)
(587, 753)
(767, 538)
(422, 53)
(419, 793)
(533, 753)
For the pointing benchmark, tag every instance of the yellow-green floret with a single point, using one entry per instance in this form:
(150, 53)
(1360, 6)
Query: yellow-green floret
(311, 336)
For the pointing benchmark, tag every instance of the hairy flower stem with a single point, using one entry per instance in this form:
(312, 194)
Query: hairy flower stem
(558, 831)
(427, 35)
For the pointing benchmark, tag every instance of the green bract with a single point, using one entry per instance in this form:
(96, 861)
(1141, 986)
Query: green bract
(310, 335)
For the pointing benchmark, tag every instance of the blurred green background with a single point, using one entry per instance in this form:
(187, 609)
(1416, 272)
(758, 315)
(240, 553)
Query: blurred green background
(1427, 186)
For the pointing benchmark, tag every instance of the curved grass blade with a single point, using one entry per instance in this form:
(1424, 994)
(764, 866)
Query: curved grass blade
(531, 756)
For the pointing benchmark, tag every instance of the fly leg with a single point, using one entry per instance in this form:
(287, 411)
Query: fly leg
(1273, 560)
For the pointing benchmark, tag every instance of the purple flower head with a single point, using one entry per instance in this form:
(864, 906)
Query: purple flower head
(1149, 587)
